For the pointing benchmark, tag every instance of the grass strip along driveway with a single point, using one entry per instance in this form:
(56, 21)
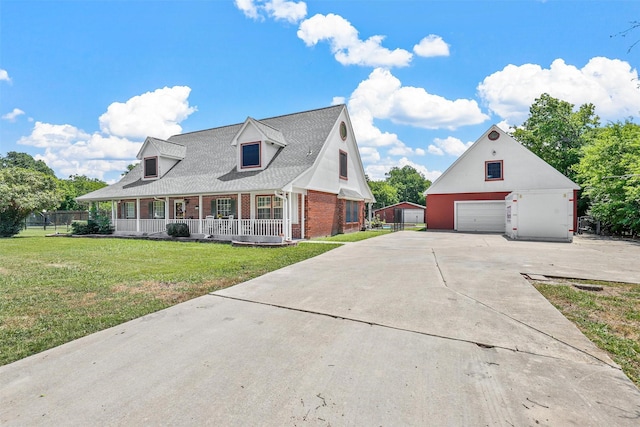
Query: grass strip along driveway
(610, 317)
(54, 290)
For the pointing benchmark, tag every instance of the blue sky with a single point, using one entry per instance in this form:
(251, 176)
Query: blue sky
(82, 83)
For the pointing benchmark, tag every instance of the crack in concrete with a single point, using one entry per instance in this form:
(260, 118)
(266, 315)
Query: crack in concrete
(396, 328)
(444, 281)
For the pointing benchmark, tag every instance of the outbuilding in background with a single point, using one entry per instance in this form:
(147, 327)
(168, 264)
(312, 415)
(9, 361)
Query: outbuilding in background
(540, 215)
(412, 213)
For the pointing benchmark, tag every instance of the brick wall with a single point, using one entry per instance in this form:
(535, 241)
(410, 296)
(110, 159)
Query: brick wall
(322, 213)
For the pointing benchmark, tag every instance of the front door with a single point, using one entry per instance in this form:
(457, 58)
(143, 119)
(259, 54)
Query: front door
(178, 209)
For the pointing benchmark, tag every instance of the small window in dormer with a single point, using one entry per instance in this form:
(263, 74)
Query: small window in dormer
(250, 155)
(151, 167)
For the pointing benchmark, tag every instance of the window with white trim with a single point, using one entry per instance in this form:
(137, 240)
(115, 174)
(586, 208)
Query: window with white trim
(264, 207)
(129, 210)
(158, 209)
(223, 207)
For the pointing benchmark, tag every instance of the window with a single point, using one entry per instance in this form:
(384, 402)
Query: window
(223, 207)
(343, 165)
(277, 208)
(351, 211)
(151, 167)
(157, 209)
(493, 170)
(250, 154)
(129, 210)
(270, 207)
(264, 207)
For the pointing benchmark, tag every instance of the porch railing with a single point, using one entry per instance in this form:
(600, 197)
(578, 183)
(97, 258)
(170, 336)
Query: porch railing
(217, 227)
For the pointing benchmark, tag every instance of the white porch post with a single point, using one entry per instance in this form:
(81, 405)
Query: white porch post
(200, 214)
(166, 211)
(113, 214)
(138, 214)
(239, 214)
(302, 218)
(289, 233)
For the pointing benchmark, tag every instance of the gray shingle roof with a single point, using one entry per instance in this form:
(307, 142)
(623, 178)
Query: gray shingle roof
(167, 148)
(272, 134)
(209, 165)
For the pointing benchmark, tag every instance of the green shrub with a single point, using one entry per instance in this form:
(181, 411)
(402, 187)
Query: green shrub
(10, 223)
(100, 225)
(178, 229)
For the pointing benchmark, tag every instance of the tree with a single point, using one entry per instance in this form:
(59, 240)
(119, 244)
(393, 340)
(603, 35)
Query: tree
(610, 173)
(75, 186)
(25, 161)
(556, 133)
(129, 168)
(409, 184)
(23, 191)
(385, 194)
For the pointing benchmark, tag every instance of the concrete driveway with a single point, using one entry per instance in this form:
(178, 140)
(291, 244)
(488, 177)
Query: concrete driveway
(404, 329)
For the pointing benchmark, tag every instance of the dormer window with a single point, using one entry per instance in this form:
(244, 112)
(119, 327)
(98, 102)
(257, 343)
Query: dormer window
(250, 155)
(151, 167)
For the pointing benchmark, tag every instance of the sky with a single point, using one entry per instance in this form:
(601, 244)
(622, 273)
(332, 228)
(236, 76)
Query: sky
(83, 83)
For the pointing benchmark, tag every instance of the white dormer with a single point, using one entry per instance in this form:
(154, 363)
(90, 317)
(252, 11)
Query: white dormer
(257, 144)
(159, 156)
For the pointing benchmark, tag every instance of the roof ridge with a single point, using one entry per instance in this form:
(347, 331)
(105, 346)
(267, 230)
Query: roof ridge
(259, 120)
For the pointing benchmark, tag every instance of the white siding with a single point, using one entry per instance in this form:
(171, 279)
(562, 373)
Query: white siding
(521, 169)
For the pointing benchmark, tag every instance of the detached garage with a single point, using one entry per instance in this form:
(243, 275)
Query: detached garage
(470, 195)
(412, 213)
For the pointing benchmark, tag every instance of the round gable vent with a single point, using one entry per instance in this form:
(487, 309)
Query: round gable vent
(343, 131)
(493, 135)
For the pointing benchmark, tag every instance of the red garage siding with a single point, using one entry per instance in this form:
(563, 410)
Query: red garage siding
(440, 207)
(386, 213)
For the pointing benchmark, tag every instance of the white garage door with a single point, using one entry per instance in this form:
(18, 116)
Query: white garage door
(487, 216)
(413, 216)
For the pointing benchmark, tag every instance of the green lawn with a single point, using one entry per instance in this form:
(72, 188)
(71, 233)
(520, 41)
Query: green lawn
(56, 289)
(610, 318)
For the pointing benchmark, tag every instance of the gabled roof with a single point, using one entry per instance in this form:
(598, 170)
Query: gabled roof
(209, 165)
(268, 132)
(417, 206)
(164, 148)
(522, 169)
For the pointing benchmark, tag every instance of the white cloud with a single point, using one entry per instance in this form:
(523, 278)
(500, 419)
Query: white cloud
(609, 84)
(46, 135)
(4, 76)
(70, 150)
(432, 45)
(282, 10)
(13, 115)
(290, 11)
(450, 145)
(248, 7)
(156, 113)
(382, 96)
(347, 46)
(337, 100)
(369, 154)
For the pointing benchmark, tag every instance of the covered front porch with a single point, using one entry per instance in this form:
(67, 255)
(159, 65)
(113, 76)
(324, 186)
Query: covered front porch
(226, 217)
(208, 226)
